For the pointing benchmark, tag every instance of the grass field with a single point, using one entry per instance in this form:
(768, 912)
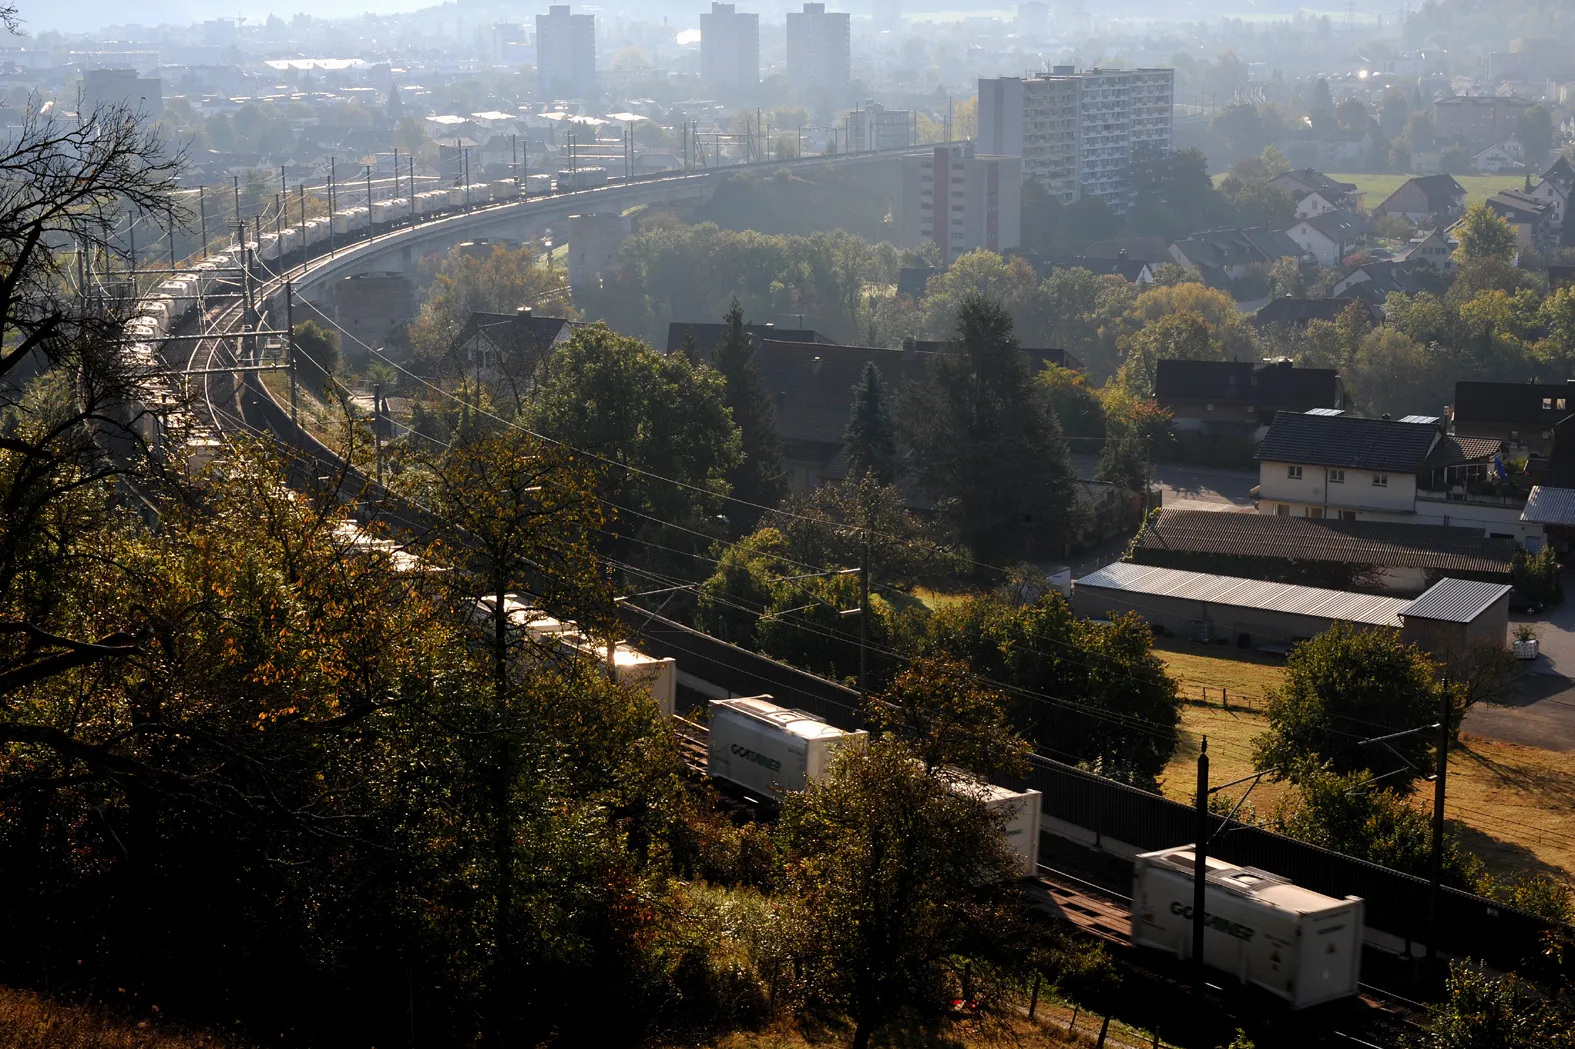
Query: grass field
(1050, 1028)
(1478, 187)
(30, 1021)
(1514, 805)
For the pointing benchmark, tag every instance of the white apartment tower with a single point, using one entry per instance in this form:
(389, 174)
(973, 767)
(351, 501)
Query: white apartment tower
(818, 48)
(887, 15)
(566, 53)
(1077, 133)
(962, 201)
(729, 49)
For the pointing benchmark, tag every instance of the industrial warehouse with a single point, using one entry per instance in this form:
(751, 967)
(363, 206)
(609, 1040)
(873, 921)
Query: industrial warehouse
(1448, 618)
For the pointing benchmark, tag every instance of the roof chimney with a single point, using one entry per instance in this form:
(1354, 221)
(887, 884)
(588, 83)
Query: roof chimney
(522, 311)
(815, 368)
(1385, 417)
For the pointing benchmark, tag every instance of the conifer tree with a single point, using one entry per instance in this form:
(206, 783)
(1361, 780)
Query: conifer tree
(871, 439)
(760, 481)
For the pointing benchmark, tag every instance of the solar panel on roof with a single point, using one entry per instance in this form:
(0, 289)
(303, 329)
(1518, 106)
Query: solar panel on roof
(1424, 420)
(1325, 411)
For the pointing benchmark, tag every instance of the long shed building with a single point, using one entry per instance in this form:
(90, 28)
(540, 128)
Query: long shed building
(1251, 613)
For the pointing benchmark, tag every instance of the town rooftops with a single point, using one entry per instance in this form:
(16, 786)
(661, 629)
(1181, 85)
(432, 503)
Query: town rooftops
(708, 335)
(1531, 405)
(1345, 442)
(1219, 248)
(1246, 593)
(1303, 181)
(1271, 384)
(1385, 543)
(1550, 506)
(1438, 193)
(1291, 310)
(1561, 173)
(1458, 451)
(1456, 600)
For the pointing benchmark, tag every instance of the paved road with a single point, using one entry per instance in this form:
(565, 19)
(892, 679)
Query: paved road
(1541, 713)
(1192, 487)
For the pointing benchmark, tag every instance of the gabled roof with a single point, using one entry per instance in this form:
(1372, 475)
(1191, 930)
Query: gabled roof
(1147, 249)
(1514, 404)
(1270, 386)
(527, 336)
(1458, 451)
(1512, 203)
(1347, 443)
(1386, 543)
(1337, 225)
(914, 281)
(1131, 269)
(1290, 310)
(1439, 192)
(811, 384)
(709, 335)
(1561, 172)
(1456, 600)
(1384, 278)
(1550, 506)
(1311, 180)
(1219, 248)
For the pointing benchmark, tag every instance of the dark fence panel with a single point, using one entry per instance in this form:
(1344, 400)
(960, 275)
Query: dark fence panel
(1396, 903)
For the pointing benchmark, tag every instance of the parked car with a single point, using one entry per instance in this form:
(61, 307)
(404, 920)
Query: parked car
(1521, 605)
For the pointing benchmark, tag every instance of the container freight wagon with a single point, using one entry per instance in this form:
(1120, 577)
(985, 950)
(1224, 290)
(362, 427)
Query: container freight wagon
(581, 178)
(1021, 819)
(1296, 944)
(769, 749)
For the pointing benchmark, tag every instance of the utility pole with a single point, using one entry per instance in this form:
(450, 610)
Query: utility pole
(1200, 870)
(370, 236)
(131, 236)
(331, 161)
(1436, 861)
(237, 180)
(411, 183)
(169, 213)
(396, 174)
(300, 193)
(864, 617)
(377, 428)
(202, 214)
(289, 324)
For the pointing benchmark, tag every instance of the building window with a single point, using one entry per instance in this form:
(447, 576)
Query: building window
(1380, 480)
(1559, 404)
(1315, 511)
(1547, 404)
(1293, 472)
(1282, 511)
(1336, 476)
(1347, 515)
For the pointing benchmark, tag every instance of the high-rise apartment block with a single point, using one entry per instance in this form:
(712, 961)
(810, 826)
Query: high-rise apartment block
(122, 87)
(1077, 133)
(873, 127)
(962, 201)
(566, 53)
(887, 15)
(729, 48)
(1033, 22)
(818, 48)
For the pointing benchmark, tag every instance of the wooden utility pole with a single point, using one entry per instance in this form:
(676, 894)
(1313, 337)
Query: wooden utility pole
(1200, 869)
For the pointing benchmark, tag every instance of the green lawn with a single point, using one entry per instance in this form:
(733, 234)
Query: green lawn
(1377, 187)
(1478, 187)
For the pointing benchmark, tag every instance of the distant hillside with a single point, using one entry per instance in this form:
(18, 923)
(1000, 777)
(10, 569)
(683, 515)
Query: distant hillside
(802, 202)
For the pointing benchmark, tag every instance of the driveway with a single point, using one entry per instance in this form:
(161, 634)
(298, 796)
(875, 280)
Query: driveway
(1540, 712)
(1191, 487)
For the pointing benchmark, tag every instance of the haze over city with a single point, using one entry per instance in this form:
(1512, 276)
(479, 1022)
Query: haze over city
(787, 525)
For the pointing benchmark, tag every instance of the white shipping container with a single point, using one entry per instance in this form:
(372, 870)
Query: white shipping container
(538, 184)
(771, 749)
(629, 667)
(1022, 812)
(1296, 944)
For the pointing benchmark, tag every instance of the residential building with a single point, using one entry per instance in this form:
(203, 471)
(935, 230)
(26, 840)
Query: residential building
(729, 49)
(1291, 312)
(887, 15)
(961, 201)
(874, 127)
(1376, 281)
(1033, 22)
(1331, 237)
(1236, 398)
(1556, 194)
(1433, 248)
(819, 48)
(1135, 270)
(1391, 556)
(1532, 218)
(122, 87)
(1331, 465)
(1495, 160)
(510, 347)
(706, 336)
(1479, 119)
(566, 54)
(1425, 198)
(1523, 415)
(1221, 256)
(1077, 133)
(1316, 193)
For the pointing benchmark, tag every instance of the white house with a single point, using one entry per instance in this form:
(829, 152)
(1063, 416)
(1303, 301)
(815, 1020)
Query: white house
(1330, 237)
(1331, 465)
(1433, 248)
(1314, 204)
(1495, 160)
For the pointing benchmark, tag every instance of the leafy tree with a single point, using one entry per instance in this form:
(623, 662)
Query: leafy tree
(1088, 219)
(1286, 279)
(1345, 685)
(1483, 234)
(1183, 336)
(500, 281)
(899, 875)
(1042, 218)
(1534, 128)
(1260, 204)
(1242, 127)
(760, 478)
(664, 426)
(1124, 461)
(870, 436)
(1320, 111)
(831, 524)
(1558, 320)
(1482, 1011)
(983, 448)
(1075, 405)
(1081, 691)
(950, 719)
(319, 349)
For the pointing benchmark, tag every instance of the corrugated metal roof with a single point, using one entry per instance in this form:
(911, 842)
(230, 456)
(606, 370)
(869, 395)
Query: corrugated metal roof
(1455, 600)
(1550, 506)
(1247, 593)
